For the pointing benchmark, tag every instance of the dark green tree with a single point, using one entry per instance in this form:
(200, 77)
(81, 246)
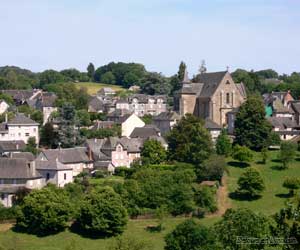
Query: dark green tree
(250, 184)
(91, 71)
(205, 197)
(108, 78)
(189, 141)
(292, 183)
(49, 137)
(155, 84)
(242, 224)
(153, 152)
(31, 146)
(44, 211)
(242, 154)
(181, 71)
(287, 153)
(212, 169)
(251, 126)
(191, 236)
(102, 213)
(223, 144)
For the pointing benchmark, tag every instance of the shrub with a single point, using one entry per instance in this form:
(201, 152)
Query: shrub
(292, 183)
(205, 198)
(242, 154)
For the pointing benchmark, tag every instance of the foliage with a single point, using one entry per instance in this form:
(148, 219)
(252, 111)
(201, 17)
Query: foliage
(181, 71)
(287, 153)
(241, 223)
(251, 126)
(7, 98)
(191, 236)
(7, 213)
(83, 117)
(129, 243)
(147, 119)
(223, 144)
(108, 78)
(189, 141)
(242, 154)
(34, 114)
(101, 133)
(264, 155)
(211, 169)
(49, 137)
(153, 152)
(44, 211)
(250, 184)
(102, 213)
(91, 71)
(291, 183)
(155, 84)
(31, 146)
(205, 198)
(50, 76)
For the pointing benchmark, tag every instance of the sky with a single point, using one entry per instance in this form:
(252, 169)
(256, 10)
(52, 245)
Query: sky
(60, 34)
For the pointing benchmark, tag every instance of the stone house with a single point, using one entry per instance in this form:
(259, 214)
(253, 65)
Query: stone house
(15, 175)
(75, 158)
(132, 122)
(106, 92)
(21, 97)
(46, 103)
(165, 121)
(20, 127)
(96, 105)
(286, 127)
(212, 96)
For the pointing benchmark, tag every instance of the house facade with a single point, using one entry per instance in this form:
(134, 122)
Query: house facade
(132, 122)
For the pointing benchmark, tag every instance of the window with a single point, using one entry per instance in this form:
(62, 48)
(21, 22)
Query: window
(2, 196)
(19, 134)
(47, 177)
(26, 134)
(227, 82)
(34, 129)
(65, 176)
(227, 98)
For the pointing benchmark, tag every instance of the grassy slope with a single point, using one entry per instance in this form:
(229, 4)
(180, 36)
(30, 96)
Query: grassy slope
(94, 87)
(268, 204)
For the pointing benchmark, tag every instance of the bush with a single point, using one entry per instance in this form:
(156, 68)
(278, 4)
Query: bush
(287, 153)
(292, 183)
(7, 213)
(205, 198)
(124, 172)
(223, 144)
(102, 213)
(44, 211)
(99, 174)
(242, 154)
(212, 169)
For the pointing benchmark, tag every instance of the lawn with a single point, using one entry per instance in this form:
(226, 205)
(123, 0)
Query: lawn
(273, 198)
(64, 240)
(93, 87)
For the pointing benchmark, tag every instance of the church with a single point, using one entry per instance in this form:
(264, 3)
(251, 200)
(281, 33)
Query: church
(211, 96)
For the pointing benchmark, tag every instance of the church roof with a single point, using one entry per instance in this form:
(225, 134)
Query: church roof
(211, 82)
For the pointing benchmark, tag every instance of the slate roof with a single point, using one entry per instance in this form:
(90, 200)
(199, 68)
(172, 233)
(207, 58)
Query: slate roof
(142, 98)
(96, 104)
(66, 155)
(282, 122)
(9, 146)
(23, 155)
(19, 94)
(167, 116)
(46, 99)
(21, 119)
(210, 124)
(296, 106)
(211, 82)
(102, 164)
(191, 88)
(145, 132)
(51, 165)
(16, 169)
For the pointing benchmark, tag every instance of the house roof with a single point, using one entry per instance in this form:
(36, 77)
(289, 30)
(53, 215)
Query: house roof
(242, 89)
(66, 155)
(9, 146)
(282, 122)
(21, 119)
(46, 99)
(211, 82)
(145, 132)
(16, 169)
(296, 106)
(167, 116)
(102, 124)
(51, 165)
(210, 124)
(279, 107)
(96, 104)
(23, 155)
(19, 94)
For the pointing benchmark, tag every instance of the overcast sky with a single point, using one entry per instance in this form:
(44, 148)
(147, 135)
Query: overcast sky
(58, 34)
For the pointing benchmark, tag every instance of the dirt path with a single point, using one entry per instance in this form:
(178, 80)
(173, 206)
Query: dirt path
(222, 199)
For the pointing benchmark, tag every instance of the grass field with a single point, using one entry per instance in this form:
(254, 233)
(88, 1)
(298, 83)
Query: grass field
(272, 201)
(93, 88)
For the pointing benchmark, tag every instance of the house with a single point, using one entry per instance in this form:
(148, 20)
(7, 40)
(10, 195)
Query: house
(122, 104)
(145, 132)
(55, 172)
(213, 128)
(15, 175)
(20, 97)
(103, 166)
(285, 127)
(118, 116)
(295, 107)
(75, 158)
(165, 121)
(46, 103)
(212, 96)
(103, 125)
(96, 105)
(106, 92)
(3, 106)
(20, 127)
(9, 147)
(132, 122)
(23, 155)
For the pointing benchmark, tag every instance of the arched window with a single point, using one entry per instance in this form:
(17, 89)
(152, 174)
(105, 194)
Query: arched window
(227, 98)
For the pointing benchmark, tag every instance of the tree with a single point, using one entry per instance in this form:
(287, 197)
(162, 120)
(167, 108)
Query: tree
(31, 146)
(68, 134)
(155, 84)
(189, 141)
(191, 236)
(250, 184)
(240, 224)
(287, 153)
(49, 136)
(44, 211)
(264, 155)
(102, 213)
(129, 243)
(252, 129)
(108, 78)
(242, 154)
(83, 117)
(223, 144)
(291, 183)
(211, 169)
(153, 152)
(181, 71)
(205, 198)
(91, 71)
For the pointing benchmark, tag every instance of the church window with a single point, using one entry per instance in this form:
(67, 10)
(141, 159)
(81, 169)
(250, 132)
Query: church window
(227, 98)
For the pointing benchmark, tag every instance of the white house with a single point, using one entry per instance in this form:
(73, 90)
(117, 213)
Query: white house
(132, 122)
(55, 172)
(15, 175)
(19, 128)
(3, 106)
(75, 158)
